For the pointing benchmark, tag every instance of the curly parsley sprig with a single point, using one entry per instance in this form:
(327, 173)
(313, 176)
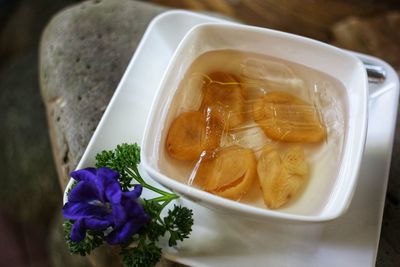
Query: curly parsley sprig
(141, 248)
(92, 240)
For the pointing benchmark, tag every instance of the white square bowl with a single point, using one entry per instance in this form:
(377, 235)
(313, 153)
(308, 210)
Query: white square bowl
(333, 61)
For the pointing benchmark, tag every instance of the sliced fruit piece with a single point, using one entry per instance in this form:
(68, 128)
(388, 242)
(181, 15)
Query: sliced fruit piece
(269, 170)
(287, 118)
(230, 173)
(294, 161)
(224, 91)
(281, 179)
(191, 133)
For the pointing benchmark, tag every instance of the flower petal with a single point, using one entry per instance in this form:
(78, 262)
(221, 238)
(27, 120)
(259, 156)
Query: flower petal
(84, 191)
(135, 193)
(87, 174)
(107, 172)
(123, 234)
(133, 208)
(78, 231)
(76, 211)
(108, 181)
(119, 214)
(113, 192)
(90, 201)
(98, 224)
(141, 219)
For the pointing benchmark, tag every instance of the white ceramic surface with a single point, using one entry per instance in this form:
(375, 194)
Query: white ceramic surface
(343, 66)
(218, 240)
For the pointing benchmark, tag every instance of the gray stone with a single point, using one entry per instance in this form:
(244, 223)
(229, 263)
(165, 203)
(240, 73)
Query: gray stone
(83, 54)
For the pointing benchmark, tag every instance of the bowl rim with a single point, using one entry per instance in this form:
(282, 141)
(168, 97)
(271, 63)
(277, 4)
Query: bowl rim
(189, 192)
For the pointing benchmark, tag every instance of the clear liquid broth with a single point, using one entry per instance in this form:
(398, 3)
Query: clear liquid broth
(258, 75)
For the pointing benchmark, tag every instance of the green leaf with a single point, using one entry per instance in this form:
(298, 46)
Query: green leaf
(155, 229)
(124, 159)
(179, 224)
(93, 239)
(145, 254)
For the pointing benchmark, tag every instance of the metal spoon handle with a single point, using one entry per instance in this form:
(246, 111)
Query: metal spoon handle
(376, 74)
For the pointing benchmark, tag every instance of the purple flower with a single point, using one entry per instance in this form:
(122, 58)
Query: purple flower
(98, 203)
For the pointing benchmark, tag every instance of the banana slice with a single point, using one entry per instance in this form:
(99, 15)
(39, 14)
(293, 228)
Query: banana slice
(224, 91)
(281, 179)
(191, 133)
(285, 117)
(230, 173)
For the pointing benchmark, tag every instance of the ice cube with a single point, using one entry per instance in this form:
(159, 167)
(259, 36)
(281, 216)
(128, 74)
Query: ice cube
(249, 135)
(270, 74)
(192, 94)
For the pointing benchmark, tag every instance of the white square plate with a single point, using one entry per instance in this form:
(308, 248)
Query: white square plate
(220, 240)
